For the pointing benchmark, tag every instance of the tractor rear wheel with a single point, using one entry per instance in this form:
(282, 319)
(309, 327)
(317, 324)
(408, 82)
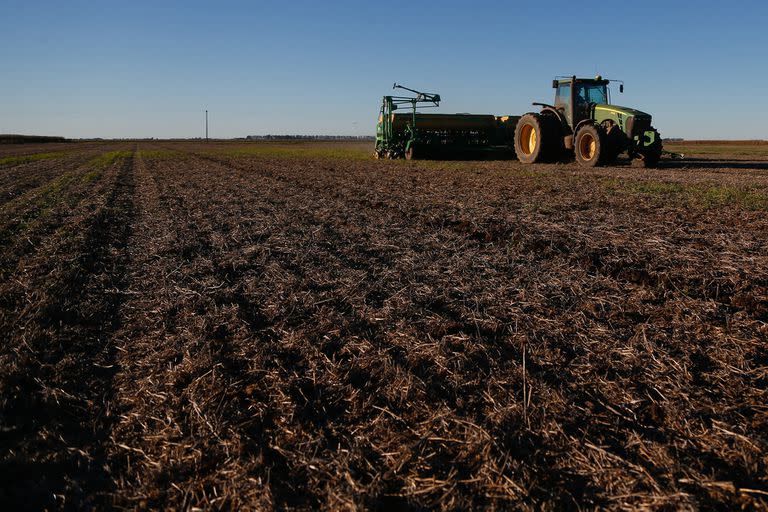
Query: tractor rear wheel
(590, 146)
(537, 139)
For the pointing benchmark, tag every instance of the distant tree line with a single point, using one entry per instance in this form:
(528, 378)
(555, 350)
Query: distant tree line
(21, 139)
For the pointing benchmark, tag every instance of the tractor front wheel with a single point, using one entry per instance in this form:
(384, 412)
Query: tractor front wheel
(590, 146)
(650, 156)
(614, 142)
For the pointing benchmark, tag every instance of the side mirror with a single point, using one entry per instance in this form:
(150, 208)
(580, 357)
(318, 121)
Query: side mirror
(621, 87)
(554, 84)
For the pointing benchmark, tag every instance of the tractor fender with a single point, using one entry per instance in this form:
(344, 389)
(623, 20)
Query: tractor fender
(527, 113)
(557, 113)
(585, 122)
(545, 112)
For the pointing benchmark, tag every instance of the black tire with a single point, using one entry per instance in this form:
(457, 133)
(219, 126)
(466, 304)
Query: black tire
(589, 146)
(650, 156)
(537, 139)
(553, 138)
(615, 144)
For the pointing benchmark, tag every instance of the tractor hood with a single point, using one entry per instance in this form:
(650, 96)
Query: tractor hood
(632, 122)
(624, 111)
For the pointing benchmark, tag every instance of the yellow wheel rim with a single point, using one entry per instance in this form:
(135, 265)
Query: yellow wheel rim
(528, 139)
(587, 146)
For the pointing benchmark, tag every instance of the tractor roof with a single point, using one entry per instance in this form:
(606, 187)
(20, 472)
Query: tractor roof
(596, 80)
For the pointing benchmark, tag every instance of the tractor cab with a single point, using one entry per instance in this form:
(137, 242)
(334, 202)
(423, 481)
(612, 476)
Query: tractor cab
(575, 97)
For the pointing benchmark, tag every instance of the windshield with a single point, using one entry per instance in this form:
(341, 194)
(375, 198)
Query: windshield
(591, 93)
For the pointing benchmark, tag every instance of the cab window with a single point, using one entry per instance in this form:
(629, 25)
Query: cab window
(563, 97)
(591, 93)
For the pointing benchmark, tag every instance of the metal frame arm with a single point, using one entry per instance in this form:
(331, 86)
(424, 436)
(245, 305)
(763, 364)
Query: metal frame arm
(421, 97)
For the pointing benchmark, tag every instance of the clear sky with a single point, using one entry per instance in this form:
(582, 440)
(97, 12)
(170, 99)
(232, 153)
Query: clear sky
(151, 68)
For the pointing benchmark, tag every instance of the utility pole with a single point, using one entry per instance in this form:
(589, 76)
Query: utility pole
(206, 125)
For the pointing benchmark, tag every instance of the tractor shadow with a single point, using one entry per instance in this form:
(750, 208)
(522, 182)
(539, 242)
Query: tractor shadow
(709, 163)
(468, 154)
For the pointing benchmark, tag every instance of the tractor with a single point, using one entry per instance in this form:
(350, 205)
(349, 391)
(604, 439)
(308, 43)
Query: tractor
(584, 121)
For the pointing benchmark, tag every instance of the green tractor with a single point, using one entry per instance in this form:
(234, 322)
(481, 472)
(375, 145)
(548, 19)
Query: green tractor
(584, 121)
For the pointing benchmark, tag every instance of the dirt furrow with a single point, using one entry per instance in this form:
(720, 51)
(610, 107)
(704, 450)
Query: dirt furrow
(21, 179)
(56, 405)
(166, 356)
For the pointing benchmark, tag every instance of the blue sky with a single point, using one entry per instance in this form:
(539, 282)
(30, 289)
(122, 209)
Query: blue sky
(134, 69)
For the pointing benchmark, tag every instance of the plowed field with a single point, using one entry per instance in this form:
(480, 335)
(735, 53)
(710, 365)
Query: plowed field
(297, 326)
